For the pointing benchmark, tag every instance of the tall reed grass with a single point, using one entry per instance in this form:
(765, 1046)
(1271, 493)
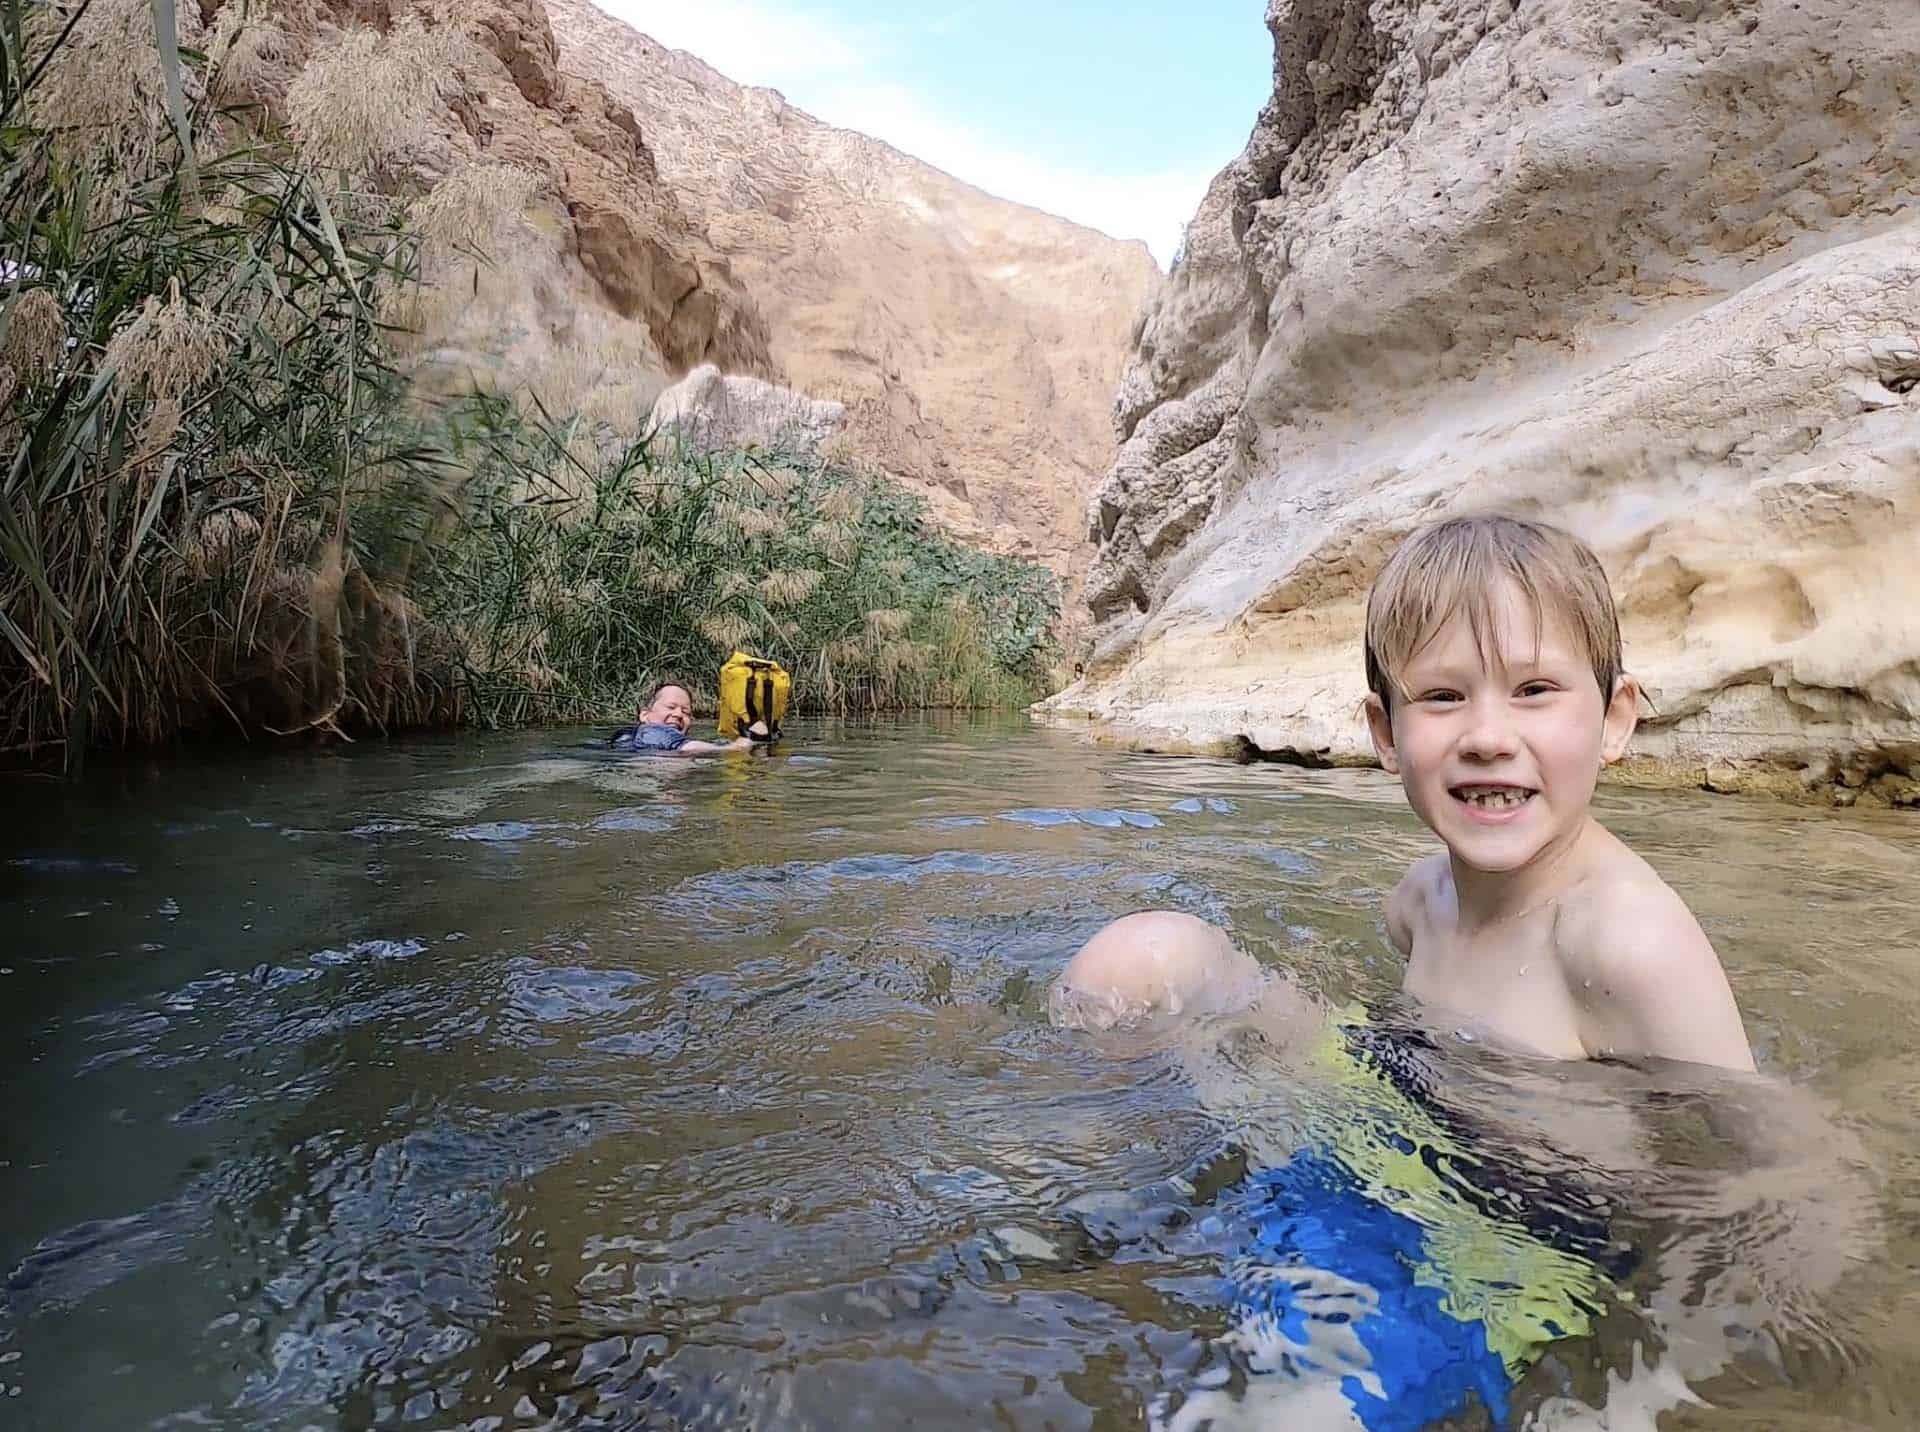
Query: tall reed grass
(585, 567)
(197, 396)
(224, 508)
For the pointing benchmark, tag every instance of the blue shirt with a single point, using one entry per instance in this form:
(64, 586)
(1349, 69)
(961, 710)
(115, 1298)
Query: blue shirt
(651, 736)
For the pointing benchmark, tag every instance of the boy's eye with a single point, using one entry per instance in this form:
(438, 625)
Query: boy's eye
(1440, 694)
(1538, 688)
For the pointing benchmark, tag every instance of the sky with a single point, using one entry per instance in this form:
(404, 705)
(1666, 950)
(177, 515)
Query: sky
(1114, 114)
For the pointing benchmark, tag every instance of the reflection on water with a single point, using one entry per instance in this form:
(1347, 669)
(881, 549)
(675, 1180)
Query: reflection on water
(485, 1082)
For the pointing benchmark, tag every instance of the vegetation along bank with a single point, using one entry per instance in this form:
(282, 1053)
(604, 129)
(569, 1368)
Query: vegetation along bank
(230, 507)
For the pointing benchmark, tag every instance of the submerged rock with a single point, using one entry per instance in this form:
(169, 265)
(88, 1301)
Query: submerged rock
(1647, 270)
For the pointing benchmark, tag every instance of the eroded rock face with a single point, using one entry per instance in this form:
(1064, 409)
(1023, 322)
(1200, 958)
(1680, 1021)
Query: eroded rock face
(611, 270)
(975, 343)
(711, 412)
(1647, 270)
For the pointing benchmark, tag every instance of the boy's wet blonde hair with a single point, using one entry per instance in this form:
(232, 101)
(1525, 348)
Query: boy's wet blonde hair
(1458, 564)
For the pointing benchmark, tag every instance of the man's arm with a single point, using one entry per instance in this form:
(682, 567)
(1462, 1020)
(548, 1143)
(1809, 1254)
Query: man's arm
(757, 735)
(1648, 981)
(705, 748)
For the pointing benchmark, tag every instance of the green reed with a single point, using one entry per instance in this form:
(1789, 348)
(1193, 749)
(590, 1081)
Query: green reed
(196, 396)
(586, 567)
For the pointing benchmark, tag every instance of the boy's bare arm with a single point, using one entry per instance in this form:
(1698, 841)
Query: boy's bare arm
(1404, 904)
(1648, 981)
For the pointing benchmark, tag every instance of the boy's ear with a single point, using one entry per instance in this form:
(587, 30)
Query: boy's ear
(1380, 727)
(1623, 716)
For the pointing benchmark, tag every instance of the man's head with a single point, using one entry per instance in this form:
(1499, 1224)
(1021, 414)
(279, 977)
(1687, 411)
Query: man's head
(1493, 658)
(670, 705)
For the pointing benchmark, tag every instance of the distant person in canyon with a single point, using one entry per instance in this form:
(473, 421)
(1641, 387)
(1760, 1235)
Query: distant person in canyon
(661, 728)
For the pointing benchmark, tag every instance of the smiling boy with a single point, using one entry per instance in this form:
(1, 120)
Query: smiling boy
(1493, 658)
(1497, 695)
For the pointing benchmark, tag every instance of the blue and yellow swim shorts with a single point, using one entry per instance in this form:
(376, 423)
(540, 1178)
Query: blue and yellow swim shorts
(1389, 1256)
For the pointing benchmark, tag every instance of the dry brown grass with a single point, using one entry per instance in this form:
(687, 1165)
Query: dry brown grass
(367, 104)
(168, 347)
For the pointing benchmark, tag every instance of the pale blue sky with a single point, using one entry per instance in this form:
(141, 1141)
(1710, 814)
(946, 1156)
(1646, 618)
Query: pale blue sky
(1113, 114)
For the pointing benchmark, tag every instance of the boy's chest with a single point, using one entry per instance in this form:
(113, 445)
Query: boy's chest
(1512, 986)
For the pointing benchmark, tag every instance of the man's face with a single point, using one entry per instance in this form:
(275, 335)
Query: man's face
(672, 707)
(1499, 754)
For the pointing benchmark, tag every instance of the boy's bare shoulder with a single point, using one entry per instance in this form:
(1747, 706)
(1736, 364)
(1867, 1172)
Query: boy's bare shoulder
(1412, 900)
(1605, 916)
(1623, 920)
(1644, 969)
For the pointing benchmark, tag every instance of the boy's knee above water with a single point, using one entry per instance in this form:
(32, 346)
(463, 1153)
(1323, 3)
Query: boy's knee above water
(1153, 962)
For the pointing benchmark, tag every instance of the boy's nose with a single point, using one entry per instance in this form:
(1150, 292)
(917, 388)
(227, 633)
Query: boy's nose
(1490, 733)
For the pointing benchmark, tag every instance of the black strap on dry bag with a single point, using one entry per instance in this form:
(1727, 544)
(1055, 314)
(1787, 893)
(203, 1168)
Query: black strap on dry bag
(760, 699)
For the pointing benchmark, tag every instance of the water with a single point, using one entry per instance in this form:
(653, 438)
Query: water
(475, 1078)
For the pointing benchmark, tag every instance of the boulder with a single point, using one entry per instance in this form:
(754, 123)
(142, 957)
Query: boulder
(712, 411)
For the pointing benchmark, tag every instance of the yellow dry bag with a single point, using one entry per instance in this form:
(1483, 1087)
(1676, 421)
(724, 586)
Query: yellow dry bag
(752, 690)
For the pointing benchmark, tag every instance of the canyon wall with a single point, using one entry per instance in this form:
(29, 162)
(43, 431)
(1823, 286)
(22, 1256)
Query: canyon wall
(1649, 269)
(974, 342)
(603, 283)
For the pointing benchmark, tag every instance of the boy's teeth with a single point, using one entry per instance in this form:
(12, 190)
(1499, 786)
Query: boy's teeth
(1493, 797)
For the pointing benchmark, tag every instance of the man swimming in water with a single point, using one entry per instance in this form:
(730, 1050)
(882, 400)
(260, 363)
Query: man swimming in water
(662, 728)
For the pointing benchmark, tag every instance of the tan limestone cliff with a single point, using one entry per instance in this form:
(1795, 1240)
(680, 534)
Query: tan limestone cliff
(1648, 270)
(975, 342)
(605, 285)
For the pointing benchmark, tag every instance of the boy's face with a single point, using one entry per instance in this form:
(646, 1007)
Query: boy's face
(1499, 755)
(672, 707)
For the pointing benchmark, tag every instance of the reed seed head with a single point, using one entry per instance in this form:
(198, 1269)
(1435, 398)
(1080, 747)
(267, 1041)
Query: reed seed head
(790, 587)
(477, 207)
(167, 346)
(102, 93)
(841, 504)
(369, 102)
(252, 59)
(36, 333)
(726, 630)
